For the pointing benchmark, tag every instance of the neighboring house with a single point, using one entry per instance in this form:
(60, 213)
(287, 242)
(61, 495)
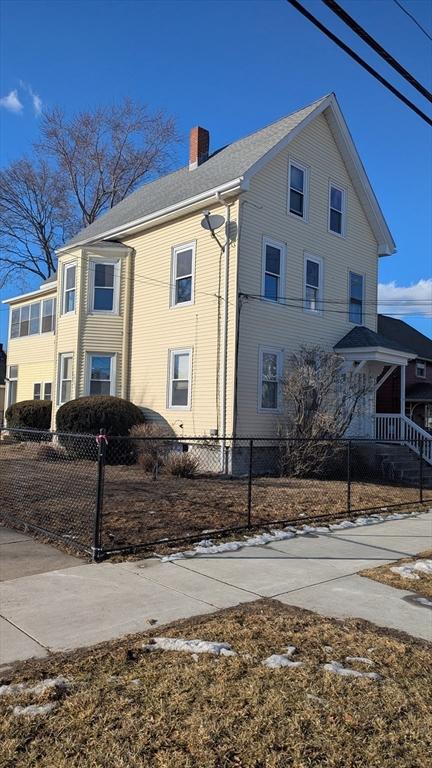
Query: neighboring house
(2, 382)
(418, 375)
(195, 327)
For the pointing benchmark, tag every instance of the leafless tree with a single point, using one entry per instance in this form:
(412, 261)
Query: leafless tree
(80, 167)
(321, 398)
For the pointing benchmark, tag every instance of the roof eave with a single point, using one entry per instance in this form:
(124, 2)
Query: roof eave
(32, 294)
(230, 188)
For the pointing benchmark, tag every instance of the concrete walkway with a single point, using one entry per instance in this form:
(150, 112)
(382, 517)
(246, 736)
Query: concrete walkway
(87, 604)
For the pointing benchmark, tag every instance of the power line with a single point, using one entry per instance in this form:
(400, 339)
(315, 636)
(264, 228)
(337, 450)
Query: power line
(413, 18)
(367, 38)
(284, 303)
(360, 61)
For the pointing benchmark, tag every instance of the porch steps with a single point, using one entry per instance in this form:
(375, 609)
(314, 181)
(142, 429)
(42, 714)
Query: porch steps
(398, 463)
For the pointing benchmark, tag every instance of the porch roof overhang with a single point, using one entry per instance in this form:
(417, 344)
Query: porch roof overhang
(362, 344)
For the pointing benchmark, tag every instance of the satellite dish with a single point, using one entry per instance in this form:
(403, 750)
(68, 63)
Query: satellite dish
(212, 221)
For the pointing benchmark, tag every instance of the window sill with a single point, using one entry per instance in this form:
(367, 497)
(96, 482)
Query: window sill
(182, 304)
(340, 235)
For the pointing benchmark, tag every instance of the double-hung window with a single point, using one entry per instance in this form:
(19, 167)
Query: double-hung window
(313, 281)
(104, 282)
(337, 207)
(182, 280)
(273, 270)
(270, 365)
(48, 315)
(34, 325)
(65, 378)
(356, 290)
(101, 374)
(298, 187)
(47, 390)
(12, 384)
(180, 367)
(15, 323)
(37, 391)
(69, 288)
(420, 369)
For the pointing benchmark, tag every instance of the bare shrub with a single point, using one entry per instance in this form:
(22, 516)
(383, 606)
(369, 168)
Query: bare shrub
(181, 464)
(46, 451)
(151, 450)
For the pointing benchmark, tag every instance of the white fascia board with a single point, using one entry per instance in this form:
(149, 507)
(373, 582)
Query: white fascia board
(32, 294)
(165, 214)
(378, 354)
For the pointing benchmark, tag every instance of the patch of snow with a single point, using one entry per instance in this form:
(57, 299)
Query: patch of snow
(361, 659)
(16, 688)
(280, 660)
(328, 648)
(339, 669)
(424, 601)
(412, 570)
(189, 646)
(318, 699)
(35, 709)
(207, 547)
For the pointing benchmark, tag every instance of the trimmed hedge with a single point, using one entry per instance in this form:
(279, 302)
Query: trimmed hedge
(88, 415)
(29, 414)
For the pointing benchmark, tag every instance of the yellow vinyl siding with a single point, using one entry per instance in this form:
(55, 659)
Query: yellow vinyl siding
(264, 213)
(157, 327)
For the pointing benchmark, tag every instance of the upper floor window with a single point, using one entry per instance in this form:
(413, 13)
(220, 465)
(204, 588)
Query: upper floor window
(27, 321)
(420, 369)
(297, 195)
(337, 206)
(356, 289)
(183, 274)
(104, 285)
(273, 270)
(270, 365)
(101, 374)
(313, 281)
(179, 394)
(69, 288)
(65, 378)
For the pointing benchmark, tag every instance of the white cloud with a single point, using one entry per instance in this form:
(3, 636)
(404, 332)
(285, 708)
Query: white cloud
(405, 300)
(35, 98)
(12, 103)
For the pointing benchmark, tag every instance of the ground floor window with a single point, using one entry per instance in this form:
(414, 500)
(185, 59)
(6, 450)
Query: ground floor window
(47, 390)
(12, 384)
(65, 378)
(270, 371)
(101, 374)
(37, 389)
(180, 365)
(42, 391)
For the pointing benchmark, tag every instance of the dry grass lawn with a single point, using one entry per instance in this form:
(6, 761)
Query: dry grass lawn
(421, 586)
(126, 708)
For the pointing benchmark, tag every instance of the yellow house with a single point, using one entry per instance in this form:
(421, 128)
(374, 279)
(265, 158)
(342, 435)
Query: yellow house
(189, 295)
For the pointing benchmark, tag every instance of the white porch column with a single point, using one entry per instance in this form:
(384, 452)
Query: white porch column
(402, 390)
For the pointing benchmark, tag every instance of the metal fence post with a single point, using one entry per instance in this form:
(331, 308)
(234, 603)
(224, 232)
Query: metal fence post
(421, 469)
(349, 476)
(249, 501)
(101, 460)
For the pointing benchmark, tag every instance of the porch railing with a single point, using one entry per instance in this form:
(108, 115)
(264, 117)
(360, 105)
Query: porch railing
(396, 426)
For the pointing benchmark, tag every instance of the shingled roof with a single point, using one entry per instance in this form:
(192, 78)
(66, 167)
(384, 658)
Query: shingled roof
(236, 162)
(360, 336)
(405, 334)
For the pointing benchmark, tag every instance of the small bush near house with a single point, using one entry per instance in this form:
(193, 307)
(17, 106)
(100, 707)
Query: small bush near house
(151, 450)
(181, 464)
(29, 414)
(88, 415)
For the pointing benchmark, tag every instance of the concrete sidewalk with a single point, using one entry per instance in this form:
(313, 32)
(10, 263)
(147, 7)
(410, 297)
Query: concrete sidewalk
(83, 605)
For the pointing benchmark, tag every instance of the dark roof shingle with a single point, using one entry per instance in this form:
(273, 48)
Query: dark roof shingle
(360, 336)
(405, 334)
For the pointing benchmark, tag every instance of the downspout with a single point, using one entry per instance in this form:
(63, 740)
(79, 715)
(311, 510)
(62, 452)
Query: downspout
(225, 336)
(126, 341)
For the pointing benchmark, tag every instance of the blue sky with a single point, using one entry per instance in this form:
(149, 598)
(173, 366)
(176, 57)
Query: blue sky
(233, 67)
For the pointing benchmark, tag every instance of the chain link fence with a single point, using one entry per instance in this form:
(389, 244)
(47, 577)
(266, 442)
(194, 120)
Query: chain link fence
(108, 495)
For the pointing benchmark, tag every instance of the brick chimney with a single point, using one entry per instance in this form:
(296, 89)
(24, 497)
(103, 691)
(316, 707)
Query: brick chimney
(199, 142)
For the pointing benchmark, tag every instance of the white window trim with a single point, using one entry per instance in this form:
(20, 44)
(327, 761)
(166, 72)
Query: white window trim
(62, 356)
(44, 385)
(344, 209)
(283, 250)
(262, 349)
(306, 171)
(9, 378)
(423, 364)
(174, 251)
(363, 276)
(318, 260)
(40, 332)
(37, 384)
(91, 284)
(171, 353)
(65, 268)
(113, 370)
(54, 315)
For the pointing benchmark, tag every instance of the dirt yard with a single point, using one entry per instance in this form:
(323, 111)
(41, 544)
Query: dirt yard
(60, 496)
(125, 707)
(421, 584)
